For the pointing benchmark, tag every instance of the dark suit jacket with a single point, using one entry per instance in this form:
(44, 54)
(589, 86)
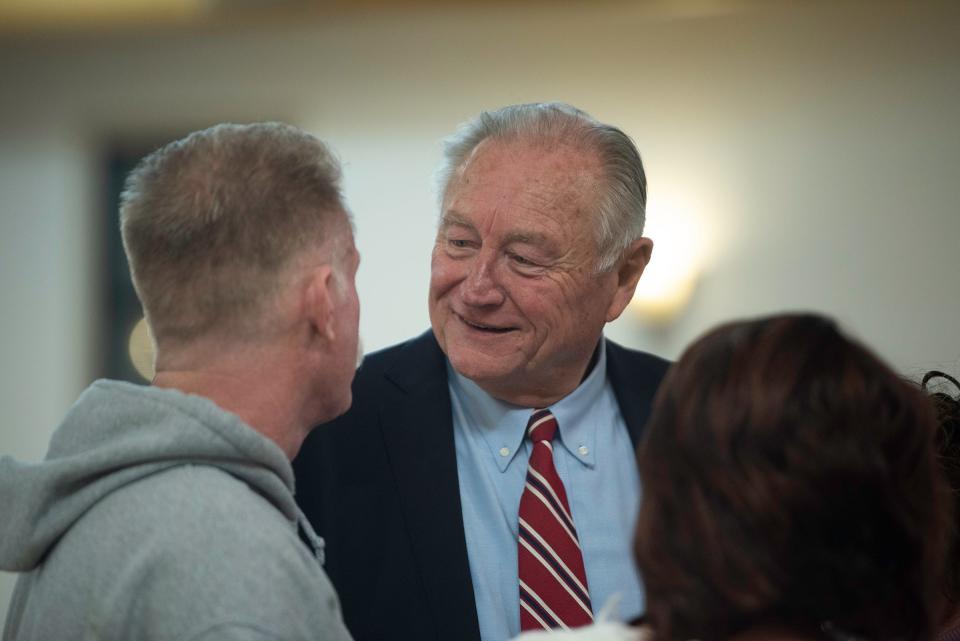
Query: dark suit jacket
(380, 485)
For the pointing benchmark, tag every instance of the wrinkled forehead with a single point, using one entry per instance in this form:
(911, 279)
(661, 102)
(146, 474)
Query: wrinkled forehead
(525, 179)
(544, 165)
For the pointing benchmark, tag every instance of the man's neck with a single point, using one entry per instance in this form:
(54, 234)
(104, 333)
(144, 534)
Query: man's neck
(260, 392)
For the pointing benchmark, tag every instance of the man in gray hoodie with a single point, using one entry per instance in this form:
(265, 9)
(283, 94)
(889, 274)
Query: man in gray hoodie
(166, 512)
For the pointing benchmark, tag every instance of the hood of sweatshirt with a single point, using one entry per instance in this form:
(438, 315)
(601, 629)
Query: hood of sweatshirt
(116, 434)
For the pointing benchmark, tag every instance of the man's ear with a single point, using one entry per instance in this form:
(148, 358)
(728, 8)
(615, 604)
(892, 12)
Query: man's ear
(318, 301)
(629, 270)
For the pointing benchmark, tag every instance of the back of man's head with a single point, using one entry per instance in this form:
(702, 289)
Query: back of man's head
(212, 223)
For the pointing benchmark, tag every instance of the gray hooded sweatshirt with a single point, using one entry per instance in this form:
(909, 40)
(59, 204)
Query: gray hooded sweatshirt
(158, 516)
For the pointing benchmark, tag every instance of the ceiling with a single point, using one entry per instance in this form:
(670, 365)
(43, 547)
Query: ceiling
(32, 17)
(46, 16)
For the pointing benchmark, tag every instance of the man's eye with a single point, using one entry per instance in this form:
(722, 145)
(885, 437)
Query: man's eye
(520, 260)
(459, 243)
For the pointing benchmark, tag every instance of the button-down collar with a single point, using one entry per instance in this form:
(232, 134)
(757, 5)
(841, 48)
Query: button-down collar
(502, 425)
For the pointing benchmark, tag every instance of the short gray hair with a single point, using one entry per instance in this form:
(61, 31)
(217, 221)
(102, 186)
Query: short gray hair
(621, 201)
(210, 222)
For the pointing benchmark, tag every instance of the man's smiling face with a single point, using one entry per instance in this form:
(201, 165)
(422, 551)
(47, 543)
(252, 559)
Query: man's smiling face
(515, 302)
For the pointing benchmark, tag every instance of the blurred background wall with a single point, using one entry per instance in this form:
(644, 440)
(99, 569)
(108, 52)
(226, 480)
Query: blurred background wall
(801, 155)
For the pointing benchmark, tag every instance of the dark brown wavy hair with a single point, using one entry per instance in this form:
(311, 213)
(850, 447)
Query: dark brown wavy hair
(789, 480)
(944, 391)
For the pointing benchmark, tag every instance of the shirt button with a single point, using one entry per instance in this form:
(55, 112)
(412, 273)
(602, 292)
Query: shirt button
(504, 451)
(583, 450)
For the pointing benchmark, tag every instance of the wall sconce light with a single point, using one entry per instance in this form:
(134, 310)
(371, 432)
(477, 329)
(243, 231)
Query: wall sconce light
(670, 279)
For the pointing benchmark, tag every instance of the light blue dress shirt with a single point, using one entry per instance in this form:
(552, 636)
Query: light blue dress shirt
(597, 466)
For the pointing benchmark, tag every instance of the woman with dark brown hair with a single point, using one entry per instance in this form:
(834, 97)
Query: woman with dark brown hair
(790, 491)
(944, 390)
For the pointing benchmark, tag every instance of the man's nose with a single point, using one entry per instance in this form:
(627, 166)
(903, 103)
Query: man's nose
(480, 288)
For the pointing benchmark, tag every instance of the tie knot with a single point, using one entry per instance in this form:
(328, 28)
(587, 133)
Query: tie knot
(542, 426)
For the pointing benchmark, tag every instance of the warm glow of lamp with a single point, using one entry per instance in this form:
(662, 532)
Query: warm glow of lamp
(671, 277)
(140, 347)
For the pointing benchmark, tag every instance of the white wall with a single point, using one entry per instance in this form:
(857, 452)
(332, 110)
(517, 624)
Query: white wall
(815, 148)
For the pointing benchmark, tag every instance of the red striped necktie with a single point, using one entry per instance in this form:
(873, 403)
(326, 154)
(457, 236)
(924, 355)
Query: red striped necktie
(553, 584)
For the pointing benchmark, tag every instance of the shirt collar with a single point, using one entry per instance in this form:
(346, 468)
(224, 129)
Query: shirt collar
(502, 425)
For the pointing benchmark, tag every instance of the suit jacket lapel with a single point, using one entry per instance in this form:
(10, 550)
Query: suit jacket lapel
(633, 387)
(419, 437)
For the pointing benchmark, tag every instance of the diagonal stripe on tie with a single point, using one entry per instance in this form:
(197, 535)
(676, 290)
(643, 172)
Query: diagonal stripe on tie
(559, 572)
(543, 491)
(544, 612)
(532, 612)
(537, 479)
(537, 546)
(553, 585)
(535, 491)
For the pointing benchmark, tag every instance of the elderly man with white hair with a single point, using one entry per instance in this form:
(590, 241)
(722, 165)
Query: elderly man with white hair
(484, 482)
